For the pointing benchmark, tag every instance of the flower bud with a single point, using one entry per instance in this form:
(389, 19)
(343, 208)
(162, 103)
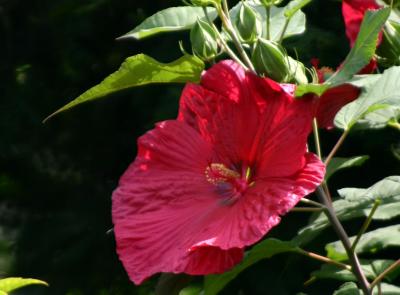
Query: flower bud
(270, 59)
(389, 50)
(248, 23)
(204, 40)
(204, 3)
(297, 72)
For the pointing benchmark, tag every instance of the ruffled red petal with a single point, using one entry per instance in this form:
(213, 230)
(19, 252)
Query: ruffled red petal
(332, 101)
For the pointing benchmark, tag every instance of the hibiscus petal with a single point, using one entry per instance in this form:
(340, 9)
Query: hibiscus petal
(162, 206)
(260, 208)
(332, 101)
(282, 133)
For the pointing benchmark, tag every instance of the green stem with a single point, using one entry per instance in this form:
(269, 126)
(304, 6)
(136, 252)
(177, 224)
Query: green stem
(226, 22)
(366, 224)
(312, 203)
(284, 30)
(223, 44)
(394, 125)
(316, 138)
(337, 226)
(379, 278)
(268, 11)
(336, 147)
(306, 209)
(324, 259)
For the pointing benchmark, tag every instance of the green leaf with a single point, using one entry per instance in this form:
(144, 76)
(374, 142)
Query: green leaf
(356, 203)
(380, 118)
(11, 284)
(349, 288)
(337, 164)
(141, 70)
(265, 249)
(170, 20)
(371, 242)
(382, 94)
(296, 26)
(371, 269)
(294, 6)
(364, 47)
(191, 290)
(387, 289)
(317, 89)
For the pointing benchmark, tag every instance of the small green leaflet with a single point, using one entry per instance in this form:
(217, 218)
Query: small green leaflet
(317, 89)
(170, 20)
(296, 26)
(371, 269)
(11, 284)
(356, 203)
(371, 242)
(350, 288)
(337, 164)
(382, 94)
(364, 47)
(141, 70)
(265, 249)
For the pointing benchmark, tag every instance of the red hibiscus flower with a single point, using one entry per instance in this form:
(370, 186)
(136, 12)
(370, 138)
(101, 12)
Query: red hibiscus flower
(217, 179)
(353, 12)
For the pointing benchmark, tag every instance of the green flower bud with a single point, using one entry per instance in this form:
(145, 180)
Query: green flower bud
(204, 3)
(204, 40)
(269, 58)
(389, 50)
(297, 72)
(248, 23)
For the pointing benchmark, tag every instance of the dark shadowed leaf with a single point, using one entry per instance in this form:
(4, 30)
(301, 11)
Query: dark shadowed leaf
(265, 249)
(337, 164)
(348, 289)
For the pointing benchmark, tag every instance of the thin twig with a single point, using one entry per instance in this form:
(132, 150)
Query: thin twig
(284, 30)
(337, 226)
(226, 22)
(366, 224)
(224, 45)
(268, 11)
(306, 209)
(312, 203)
(324, 259)
(379, 278)
(336, 147)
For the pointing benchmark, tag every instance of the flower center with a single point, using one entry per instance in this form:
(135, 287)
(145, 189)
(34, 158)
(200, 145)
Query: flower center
(230, 184)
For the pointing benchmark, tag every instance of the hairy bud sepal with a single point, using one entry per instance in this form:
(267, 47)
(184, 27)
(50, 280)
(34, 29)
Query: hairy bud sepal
(204, 41)
(270, 59)
(248, 23)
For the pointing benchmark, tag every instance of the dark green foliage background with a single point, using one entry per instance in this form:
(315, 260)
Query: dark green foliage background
(56, 179)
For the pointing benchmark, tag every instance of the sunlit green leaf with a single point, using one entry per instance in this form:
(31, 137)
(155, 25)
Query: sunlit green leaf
(296, 26)
(170, 20)
(317, 89)
(364, 47)
(356, 203)
(380, 118)
(11, 284)
(382, 94)
(337, 164)
(370, 242)
(141, 70)
(265, 249)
